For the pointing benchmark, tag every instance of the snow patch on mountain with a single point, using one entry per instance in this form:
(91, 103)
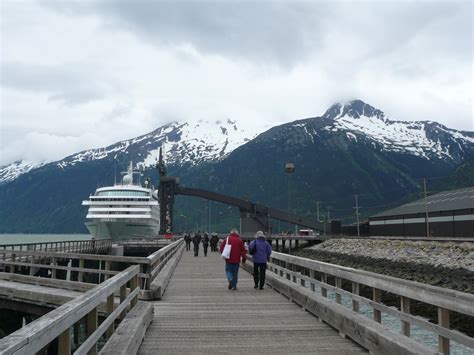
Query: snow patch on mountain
(417, 138)
(202, 141)
(12, 171)
(190, 143)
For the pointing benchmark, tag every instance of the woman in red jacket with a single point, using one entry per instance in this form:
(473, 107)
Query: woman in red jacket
(237, 252)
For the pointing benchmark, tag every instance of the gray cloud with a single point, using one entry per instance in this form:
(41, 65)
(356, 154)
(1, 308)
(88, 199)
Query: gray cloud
(287, 33)
(70, 84)
(84, 67)
(264, 32)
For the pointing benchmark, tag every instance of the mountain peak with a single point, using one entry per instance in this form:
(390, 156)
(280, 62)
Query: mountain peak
(353, 109)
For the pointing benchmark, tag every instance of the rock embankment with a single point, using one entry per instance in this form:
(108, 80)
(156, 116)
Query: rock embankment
(444, 264)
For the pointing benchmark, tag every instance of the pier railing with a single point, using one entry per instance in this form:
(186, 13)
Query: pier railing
(73, 246)
(57, 324)
(82, 267)
(307, 275)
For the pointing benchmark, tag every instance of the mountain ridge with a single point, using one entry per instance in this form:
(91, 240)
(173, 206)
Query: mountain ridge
(335, 158)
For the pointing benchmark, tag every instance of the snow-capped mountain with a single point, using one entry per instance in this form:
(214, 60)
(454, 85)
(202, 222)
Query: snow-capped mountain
(352, 148)
(194, 142)
(188, 143)
(422, 138)
(363, 124)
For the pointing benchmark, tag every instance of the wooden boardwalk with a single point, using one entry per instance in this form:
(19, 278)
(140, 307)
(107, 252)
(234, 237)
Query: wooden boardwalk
(198, 314)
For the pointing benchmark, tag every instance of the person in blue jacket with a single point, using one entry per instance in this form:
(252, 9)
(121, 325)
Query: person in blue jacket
(260, 250)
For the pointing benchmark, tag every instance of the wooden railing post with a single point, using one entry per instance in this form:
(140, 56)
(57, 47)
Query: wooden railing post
(107, 268)
(134, 285)
(12, 267)
(324, 290)
(377, 297)
(68, 271)
(32, 269)
(53, 270)
(64, 343)
(405, 308)
(339, 286)
(91, 327)
(80, 275)
(443, 321)
(110, 309)
(355, 291)
(123, 295)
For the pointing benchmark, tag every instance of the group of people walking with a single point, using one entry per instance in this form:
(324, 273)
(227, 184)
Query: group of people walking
(197, 239)
(259, 249)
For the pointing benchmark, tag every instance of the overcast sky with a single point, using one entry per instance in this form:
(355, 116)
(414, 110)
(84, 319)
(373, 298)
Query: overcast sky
(79, 75)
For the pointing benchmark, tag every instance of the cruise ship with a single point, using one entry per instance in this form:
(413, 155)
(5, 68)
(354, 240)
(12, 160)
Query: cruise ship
(124, 210)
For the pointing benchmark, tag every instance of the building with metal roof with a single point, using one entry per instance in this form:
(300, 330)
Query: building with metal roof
(445, 214)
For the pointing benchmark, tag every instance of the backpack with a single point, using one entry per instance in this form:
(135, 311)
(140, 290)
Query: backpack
(253, 250)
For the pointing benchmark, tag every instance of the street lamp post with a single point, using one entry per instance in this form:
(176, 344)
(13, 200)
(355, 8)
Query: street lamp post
(289, 169)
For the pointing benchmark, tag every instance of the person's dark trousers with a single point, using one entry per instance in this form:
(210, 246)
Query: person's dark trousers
(196, 250)
(205, 250)
(259, 274)
(188, 246)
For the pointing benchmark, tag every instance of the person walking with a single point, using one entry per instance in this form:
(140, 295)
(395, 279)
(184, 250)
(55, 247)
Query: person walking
(196, 242)
(214, 241)
(205, 243)
(237, 252)
(260, 250)
(187, 239)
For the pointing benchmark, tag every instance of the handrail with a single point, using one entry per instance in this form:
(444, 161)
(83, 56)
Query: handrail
(446, 300)
(100, 245)
(159, 253)
(55, 324)
(442, 297)
(13, 260)
(158, 259)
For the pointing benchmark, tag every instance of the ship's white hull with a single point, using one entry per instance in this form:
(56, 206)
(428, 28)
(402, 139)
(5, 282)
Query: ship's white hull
(123, 211)
(123, 229)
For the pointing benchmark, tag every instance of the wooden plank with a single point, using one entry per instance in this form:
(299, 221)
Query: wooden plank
(131, 331)
(199, 315)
